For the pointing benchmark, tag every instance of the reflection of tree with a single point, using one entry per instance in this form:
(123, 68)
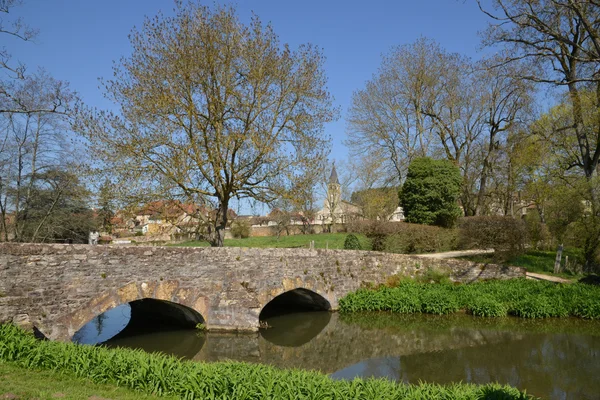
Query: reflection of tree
(99, 323)
(544, 365)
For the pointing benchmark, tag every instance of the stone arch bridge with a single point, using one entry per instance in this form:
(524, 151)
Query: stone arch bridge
(59, 288)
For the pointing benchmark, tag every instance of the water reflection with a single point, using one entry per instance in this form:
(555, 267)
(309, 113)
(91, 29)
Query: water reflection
(294, 330)
(556, 359)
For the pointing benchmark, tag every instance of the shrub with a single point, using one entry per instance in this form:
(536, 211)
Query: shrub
(414, 238)
(506, 235)
(405, 238)
(352, 243)
(430, 192)
(487, 306)
(240, 229)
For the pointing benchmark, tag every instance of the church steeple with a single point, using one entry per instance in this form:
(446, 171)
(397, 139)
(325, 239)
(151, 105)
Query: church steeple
(333, 179)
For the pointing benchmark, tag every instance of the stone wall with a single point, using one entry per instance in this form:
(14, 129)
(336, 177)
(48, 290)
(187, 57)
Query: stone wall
(59, 288)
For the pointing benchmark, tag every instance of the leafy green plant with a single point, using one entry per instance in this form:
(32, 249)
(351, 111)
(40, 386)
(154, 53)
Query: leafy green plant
(200, 326)
(439, 302)
(162, 375)
(487, 306)
(519, 297)
(352, 243)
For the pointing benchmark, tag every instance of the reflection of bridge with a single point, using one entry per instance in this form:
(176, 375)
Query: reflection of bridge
(59, 288)
(340, 345)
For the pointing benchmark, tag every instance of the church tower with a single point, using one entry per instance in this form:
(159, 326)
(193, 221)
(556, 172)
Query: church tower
(334, 192)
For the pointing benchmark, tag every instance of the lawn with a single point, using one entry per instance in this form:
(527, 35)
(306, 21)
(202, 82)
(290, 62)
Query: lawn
(25, 383)
(322, 241)
(537, 261)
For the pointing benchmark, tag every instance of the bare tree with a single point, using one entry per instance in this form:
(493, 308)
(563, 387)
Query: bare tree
(212, 108)
(385, 117)
(560, 37)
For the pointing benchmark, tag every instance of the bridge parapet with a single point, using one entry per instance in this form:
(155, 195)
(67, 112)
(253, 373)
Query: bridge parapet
(59, 288)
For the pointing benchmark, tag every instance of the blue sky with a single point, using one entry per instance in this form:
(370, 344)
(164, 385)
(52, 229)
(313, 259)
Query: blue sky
(80, 39)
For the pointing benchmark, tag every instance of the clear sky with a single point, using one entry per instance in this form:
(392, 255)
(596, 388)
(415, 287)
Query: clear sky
(80, 39)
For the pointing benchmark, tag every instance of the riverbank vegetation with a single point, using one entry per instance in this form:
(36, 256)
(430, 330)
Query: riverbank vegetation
(23, 383)
(163, 375)
(518, 297)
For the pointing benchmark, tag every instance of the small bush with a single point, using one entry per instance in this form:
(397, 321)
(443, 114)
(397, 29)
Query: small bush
(506, 235)
(240, 229)
(352, 243)
(414, 238)
(487, 306)
(405, 238)
(139, 233)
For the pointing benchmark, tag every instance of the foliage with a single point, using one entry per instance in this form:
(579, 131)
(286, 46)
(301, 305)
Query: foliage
(211, 109)
(405, 238)
(240, 229)
(376, 203)
(352, 243)
(487, 306)
(56, 209)
(415, 238)
(506, 235)
(439, 302)
(538, 307)
(166, 376)
(430, 192)
(519, 297)
(537, 232)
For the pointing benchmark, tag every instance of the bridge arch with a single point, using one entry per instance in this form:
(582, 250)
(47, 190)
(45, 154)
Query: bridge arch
(294, 300)
(163, 302)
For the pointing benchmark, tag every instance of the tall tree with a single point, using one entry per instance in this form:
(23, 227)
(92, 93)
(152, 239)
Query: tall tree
(561, 38)
(214, 109)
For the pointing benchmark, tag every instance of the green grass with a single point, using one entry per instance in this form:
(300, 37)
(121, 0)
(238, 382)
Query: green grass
(536, 261)
(519, 297)
(166, 376)
(34, 384)
(322, 241)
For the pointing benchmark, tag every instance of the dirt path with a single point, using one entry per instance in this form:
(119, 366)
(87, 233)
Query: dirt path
(544, 277)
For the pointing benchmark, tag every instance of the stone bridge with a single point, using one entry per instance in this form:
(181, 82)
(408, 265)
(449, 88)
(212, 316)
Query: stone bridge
(59, 288)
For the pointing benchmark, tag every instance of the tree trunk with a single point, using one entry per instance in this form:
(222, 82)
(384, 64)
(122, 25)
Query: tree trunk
(218, 239)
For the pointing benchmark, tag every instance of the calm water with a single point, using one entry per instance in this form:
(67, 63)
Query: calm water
(554, 359)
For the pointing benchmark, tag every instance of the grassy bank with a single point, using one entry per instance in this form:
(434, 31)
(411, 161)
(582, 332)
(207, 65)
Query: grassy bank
(518, 297)
(322, 241)
(31, 384)
(162, 375)
(537, 261)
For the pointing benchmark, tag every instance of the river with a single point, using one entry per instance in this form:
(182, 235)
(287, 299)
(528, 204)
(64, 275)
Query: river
(552, 359)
